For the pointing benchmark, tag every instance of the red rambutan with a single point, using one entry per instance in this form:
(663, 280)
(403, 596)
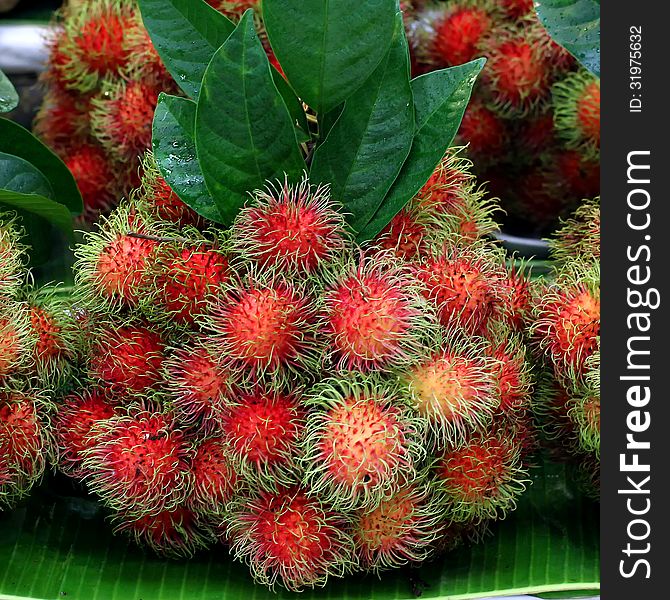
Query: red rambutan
(579, 236)
(580, 175)
(264, 325)
(138, 464)
(480, 479)
(115, 266)
(74, 423)
(262, 430)
(513, 374)
(402, 529)
(458, 34)
(191, 276)
(406, 235)
(215, 481)
(122, 118)
(128, 359)
(16, 339)
(454, 389)
(515, 9)
(289, 537)
(198, 385)
(567, 325)
(23, 444)
(484, 132)
(292, 228)
(577, 110)
(90, 167)
(11, 256)
(63, 120)
(374, 316)
(464, 284)
(361, 443)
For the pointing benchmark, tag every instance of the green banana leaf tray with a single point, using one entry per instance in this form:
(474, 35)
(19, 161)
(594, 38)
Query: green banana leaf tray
(59, 547)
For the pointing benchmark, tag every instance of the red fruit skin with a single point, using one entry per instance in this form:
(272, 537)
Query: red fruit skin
(100, 44)
(290, 538)
(370, 317)
(122, 271)
(90, 167)
(262, 431)
(21, 434)
(580, 175)
(139, 464)
(168, 206)
(515, 9)
(512, 378)
(50, 345)
(404, 235)
(536, 135)
(198, 386)
(215, 481)
(588, 113)
(263, 328)
(464, 290)
(458, 35)
(128, 359)
(11, 348)
(74, 426)
(484, 132)
(190, 278)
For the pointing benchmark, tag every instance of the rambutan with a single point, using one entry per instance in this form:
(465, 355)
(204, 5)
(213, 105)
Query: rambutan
(577, 110)
(518, 307)
(567, 324)
(23, 444)
(585, 410)
(514, 378)
(361, 444)
(535, 134)
(579, 236)
(63, 121)
(454, 388)
(144, 62)
(215, 481)
(190, 278)
(289, 537)
(92, 43)
(115, 265)
(484, 132)
(515, 9)
(464, 284)
(128, 359)
(138, 463)
(458, 34)
(122, 118)
(174, 533)
(264, 325)
(580, 175)
(517, 73)
(294, 229)
(262, 430)
(197, 385)
(401, 529)
(91, 169)
(11, 256)
(73, 424)
(375, 316)
(480, 479)
(407, 234)
(450, 179)
(17, 340)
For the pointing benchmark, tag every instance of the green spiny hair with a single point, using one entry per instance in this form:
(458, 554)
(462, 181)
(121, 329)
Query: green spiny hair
(12, 255)
(579, 236)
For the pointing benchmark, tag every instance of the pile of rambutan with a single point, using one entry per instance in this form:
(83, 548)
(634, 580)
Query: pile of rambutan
(38, 348)
(533, 126)
(101, 85)
(566, 332)
(320, 407)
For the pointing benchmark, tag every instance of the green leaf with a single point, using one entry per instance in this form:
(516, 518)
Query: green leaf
(59, 543)
(19, 175)
(575, 25)
(174, 150)
(369, 142)
(186, 34)
(9, 99)
(328, 48)
(40, 206)
(440, 99)
(244, 134)
(17, 141)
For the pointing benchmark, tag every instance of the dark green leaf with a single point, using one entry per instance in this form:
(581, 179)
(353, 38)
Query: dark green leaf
(18, 141)
(440, 99)
(294, 106)
(19, 175)
(243, 131)
(9, 99)
(174, 150)
(575, 25)
(370, 141)
(40, 206)
(186, 34)
(327, 49)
